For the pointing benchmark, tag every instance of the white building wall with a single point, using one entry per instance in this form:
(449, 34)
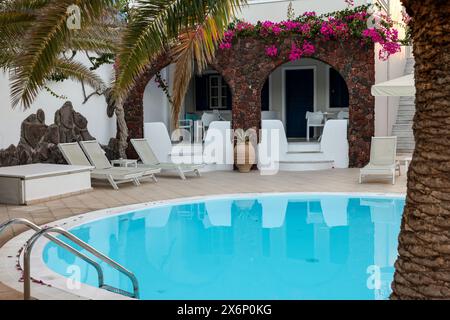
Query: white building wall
(156, 104)
(99, 125)
(276, 10)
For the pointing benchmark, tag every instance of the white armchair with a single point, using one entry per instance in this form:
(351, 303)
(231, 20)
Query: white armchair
(343, 115)
(209, 117)
(314, 120)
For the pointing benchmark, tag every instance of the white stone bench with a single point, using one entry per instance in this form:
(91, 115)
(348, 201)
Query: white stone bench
(37, 182)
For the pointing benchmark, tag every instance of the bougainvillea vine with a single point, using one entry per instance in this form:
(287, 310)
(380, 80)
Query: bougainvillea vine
(309, 27)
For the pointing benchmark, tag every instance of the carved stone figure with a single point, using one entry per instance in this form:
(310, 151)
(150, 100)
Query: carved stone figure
(39, 142)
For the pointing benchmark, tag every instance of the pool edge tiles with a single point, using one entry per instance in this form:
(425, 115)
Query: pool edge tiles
(58, 283)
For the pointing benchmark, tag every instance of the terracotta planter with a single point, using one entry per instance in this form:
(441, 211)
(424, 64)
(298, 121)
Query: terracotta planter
(244, 156)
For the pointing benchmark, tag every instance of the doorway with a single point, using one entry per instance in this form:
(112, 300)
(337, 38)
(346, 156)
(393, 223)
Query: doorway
(299, 97)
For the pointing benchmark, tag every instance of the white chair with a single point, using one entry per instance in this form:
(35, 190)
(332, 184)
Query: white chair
(149, 160)
(382, 158)
(98, 159)
(314, 120)
(74, 155)
(159, 140)
(343, 115)
(270, 115)
(185, 131)
(209, 117)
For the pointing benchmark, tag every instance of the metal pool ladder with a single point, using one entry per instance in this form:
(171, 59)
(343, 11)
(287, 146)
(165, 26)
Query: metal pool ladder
(46, 233)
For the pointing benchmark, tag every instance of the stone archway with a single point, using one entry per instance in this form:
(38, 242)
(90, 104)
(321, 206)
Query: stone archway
(134, 104)
(246, 66)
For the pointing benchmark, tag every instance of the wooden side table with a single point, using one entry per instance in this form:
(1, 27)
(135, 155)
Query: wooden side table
(127, 163)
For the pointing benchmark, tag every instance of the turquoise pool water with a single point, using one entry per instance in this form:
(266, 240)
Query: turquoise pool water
(268, 247)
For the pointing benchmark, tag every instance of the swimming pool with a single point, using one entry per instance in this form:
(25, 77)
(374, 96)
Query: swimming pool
(284, 246)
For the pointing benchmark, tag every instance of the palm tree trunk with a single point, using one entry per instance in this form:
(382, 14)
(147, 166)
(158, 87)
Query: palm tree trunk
(122, 129)
(423, 265)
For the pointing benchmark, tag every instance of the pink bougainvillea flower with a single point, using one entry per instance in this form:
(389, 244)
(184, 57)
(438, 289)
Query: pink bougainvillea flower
(305, 29)
(240, 26)
(227, 39)
(373, 34)
(270, 27)
(308, 48)
(295, 54)
(272, 51)
(276, 29)
(327, 30)
(290, 25)
(225, 45)
(405, 17)
(387, 38)
(228, 35)
(310, 14)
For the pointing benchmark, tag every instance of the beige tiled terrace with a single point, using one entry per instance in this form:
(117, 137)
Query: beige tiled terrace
(337, 180)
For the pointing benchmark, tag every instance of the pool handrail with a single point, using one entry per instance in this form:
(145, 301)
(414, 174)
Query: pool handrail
(45, 232)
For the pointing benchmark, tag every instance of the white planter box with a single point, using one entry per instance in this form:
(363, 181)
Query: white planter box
(36, 182)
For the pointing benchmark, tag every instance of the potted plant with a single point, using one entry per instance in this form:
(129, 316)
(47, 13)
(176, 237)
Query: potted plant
(244, 151)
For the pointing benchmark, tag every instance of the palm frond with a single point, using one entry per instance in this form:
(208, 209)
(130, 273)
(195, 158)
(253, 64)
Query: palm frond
(98, 38)
(79, 72)
(156, 26)
(194, 48)
(44, 44)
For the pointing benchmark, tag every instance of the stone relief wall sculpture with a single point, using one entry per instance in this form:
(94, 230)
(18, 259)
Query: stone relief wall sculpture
(39, 142)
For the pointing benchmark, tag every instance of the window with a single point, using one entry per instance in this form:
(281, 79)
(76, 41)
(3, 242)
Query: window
(217, 92)
(212, 92)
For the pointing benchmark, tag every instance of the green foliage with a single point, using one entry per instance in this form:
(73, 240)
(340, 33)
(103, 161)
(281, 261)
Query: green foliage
(290, 12)
(34, 36)
(155, 27)
(104, 58)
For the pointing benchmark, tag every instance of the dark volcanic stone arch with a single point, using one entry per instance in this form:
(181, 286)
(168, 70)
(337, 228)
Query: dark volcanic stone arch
(246, 67)
(134, 104)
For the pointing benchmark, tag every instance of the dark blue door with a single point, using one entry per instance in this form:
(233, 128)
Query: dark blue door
(299, 86)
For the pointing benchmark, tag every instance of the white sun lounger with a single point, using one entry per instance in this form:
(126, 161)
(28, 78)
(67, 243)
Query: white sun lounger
(97, 157)
(74, 155)
(382, 158)
(149, 160)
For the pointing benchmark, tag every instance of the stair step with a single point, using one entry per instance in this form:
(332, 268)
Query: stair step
(306, 165)
(409, 67)
(405, 117)
(303, 147)
(306, 161)
(302, 152)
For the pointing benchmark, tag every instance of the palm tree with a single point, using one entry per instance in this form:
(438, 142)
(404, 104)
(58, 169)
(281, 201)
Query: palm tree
(187, 30)
(423, 265)
(34, 38)
(34, 41)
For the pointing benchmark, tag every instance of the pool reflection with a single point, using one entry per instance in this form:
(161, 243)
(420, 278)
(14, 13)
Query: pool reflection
(306, 247)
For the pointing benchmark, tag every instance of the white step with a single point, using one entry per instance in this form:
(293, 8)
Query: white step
(305, 161)
(305, 165)
(405, 117)
(403, 127)
(303, 147)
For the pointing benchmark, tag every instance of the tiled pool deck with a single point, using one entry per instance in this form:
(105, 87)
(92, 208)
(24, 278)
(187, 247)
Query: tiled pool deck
(170, 187)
